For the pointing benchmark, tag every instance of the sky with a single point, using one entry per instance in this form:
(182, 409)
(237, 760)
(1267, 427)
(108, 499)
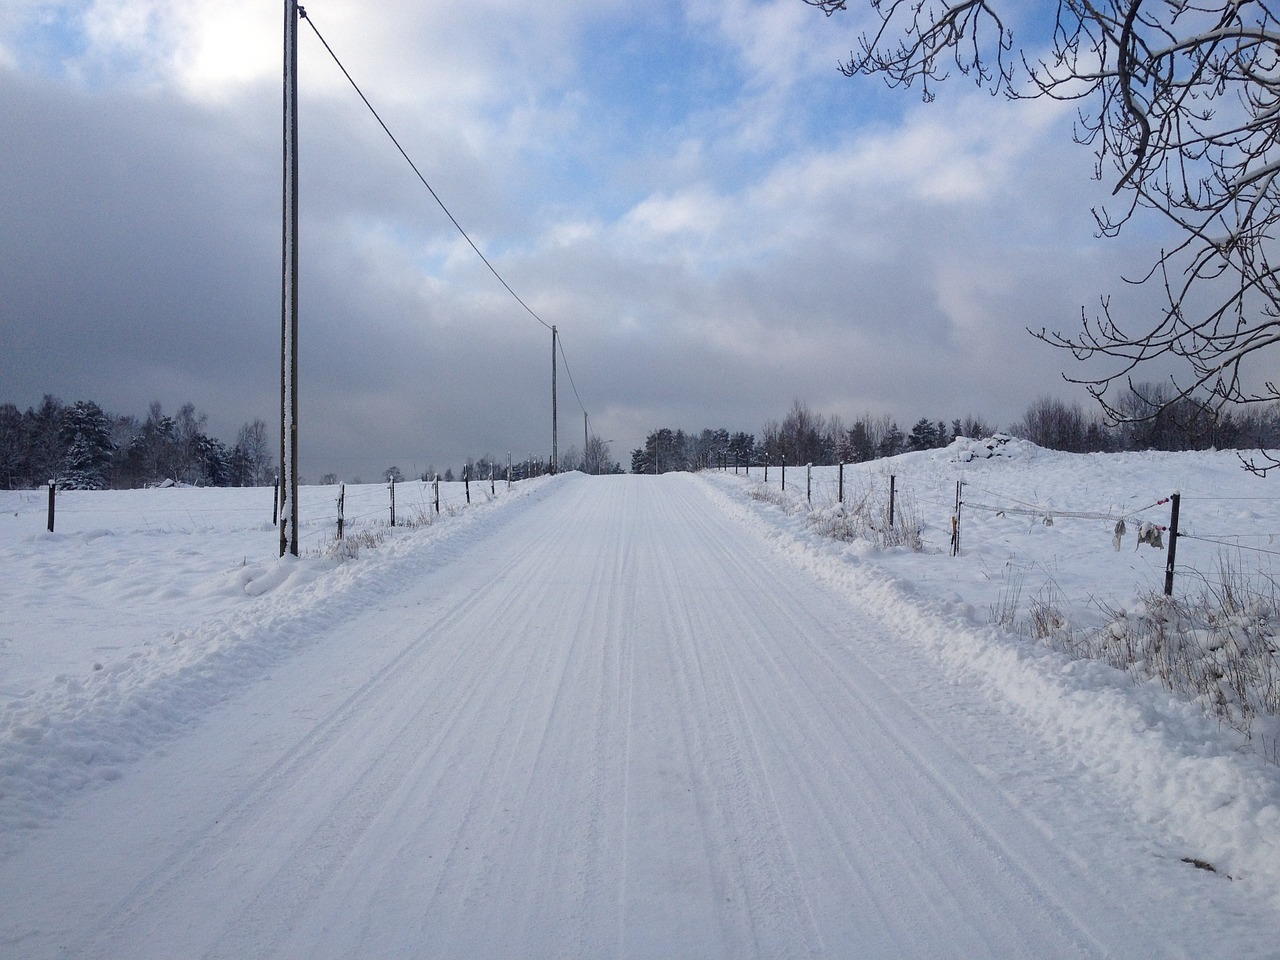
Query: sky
(714, 218)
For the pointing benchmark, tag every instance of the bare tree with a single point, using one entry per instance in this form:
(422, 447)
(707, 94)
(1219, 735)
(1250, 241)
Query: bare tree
(1051, 423)
(1180, 101)
(253, 454)
(597, 459)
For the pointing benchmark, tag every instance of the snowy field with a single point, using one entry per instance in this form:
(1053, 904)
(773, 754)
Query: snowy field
(626, 716)
(1049, 547)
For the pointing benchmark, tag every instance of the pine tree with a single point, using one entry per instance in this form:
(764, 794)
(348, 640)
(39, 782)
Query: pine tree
(86, 436)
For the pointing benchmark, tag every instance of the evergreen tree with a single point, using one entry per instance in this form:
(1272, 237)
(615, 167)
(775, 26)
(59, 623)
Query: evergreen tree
(924, 435)
(13, 448)
(742, 448)
(858, 445)
(892, 443)
(86, 438)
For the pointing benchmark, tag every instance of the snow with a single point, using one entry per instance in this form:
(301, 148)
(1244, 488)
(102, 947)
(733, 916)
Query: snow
(630, 716)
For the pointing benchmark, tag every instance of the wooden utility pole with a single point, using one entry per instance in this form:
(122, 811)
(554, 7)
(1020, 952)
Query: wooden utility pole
(555, 449)
(289, 293)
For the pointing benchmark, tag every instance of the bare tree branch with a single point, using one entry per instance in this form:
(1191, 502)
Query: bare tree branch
(1180, 102)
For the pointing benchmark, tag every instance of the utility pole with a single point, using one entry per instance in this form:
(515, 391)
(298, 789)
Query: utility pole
(289, 292)
(555, 450)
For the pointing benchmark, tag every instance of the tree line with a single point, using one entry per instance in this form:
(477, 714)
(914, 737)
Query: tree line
(1152, 421)
(83, 447)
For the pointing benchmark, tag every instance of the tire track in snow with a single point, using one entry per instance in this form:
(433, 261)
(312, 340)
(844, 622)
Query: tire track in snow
(735, 799)
(273, 899)
(614, 729)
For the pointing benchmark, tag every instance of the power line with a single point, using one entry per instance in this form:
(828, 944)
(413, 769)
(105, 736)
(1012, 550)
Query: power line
(569, 374)
(452, 219)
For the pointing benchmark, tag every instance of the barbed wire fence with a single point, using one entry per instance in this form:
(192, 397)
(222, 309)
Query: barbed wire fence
(1214, 642)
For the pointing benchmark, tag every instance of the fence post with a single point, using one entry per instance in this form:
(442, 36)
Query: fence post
(766, 468)
(342, 496)
(466, 481)
(392, 486)
(53, 489)
(493, 490)
(508, 469)
(955, 520)
(893, 480)
(275, 504)
(784, 471)
(1173, 544)
(808, 483)
(437, 490)
(840, 486)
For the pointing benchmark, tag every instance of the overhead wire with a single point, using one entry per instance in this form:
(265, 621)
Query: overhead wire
(302, 13)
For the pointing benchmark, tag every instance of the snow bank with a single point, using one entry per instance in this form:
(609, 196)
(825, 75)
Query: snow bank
(147, 611)
(1175, 767)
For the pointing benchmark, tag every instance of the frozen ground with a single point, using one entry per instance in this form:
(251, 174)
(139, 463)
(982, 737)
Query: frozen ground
(622, 716)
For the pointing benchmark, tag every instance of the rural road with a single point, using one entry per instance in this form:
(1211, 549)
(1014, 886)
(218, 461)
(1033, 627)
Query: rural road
(620, 725)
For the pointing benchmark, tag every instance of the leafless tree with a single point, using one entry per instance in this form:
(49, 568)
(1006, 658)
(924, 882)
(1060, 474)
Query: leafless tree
(1180, 101)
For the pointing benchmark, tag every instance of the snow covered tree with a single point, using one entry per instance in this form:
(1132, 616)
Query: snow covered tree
(1178, 100)
(86, 437)
(742, 448)
(153, 454)
(213, 461)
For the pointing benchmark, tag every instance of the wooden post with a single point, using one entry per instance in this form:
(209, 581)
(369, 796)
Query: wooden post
(437, 488)
(840, 485)
(1173, 544)
(493, 491)
(808, 483)
(766, 468)
(392, 486)
(955, 520)
(784, 471)
(53, 489)
(342, 496)
(289, 293)
(275, 503)
(466, 481)
(555, 450)
(893, 499)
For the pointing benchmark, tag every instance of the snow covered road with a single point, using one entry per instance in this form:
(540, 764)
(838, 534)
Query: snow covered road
(618, 724)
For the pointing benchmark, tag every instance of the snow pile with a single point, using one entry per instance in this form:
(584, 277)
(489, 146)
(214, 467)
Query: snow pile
(965, 450)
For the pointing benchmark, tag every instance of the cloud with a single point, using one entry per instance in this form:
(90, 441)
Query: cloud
(716, 221)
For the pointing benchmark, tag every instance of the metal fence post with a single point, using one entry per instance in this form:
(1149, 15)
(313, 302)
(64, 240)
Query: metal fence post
(1173, 544)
